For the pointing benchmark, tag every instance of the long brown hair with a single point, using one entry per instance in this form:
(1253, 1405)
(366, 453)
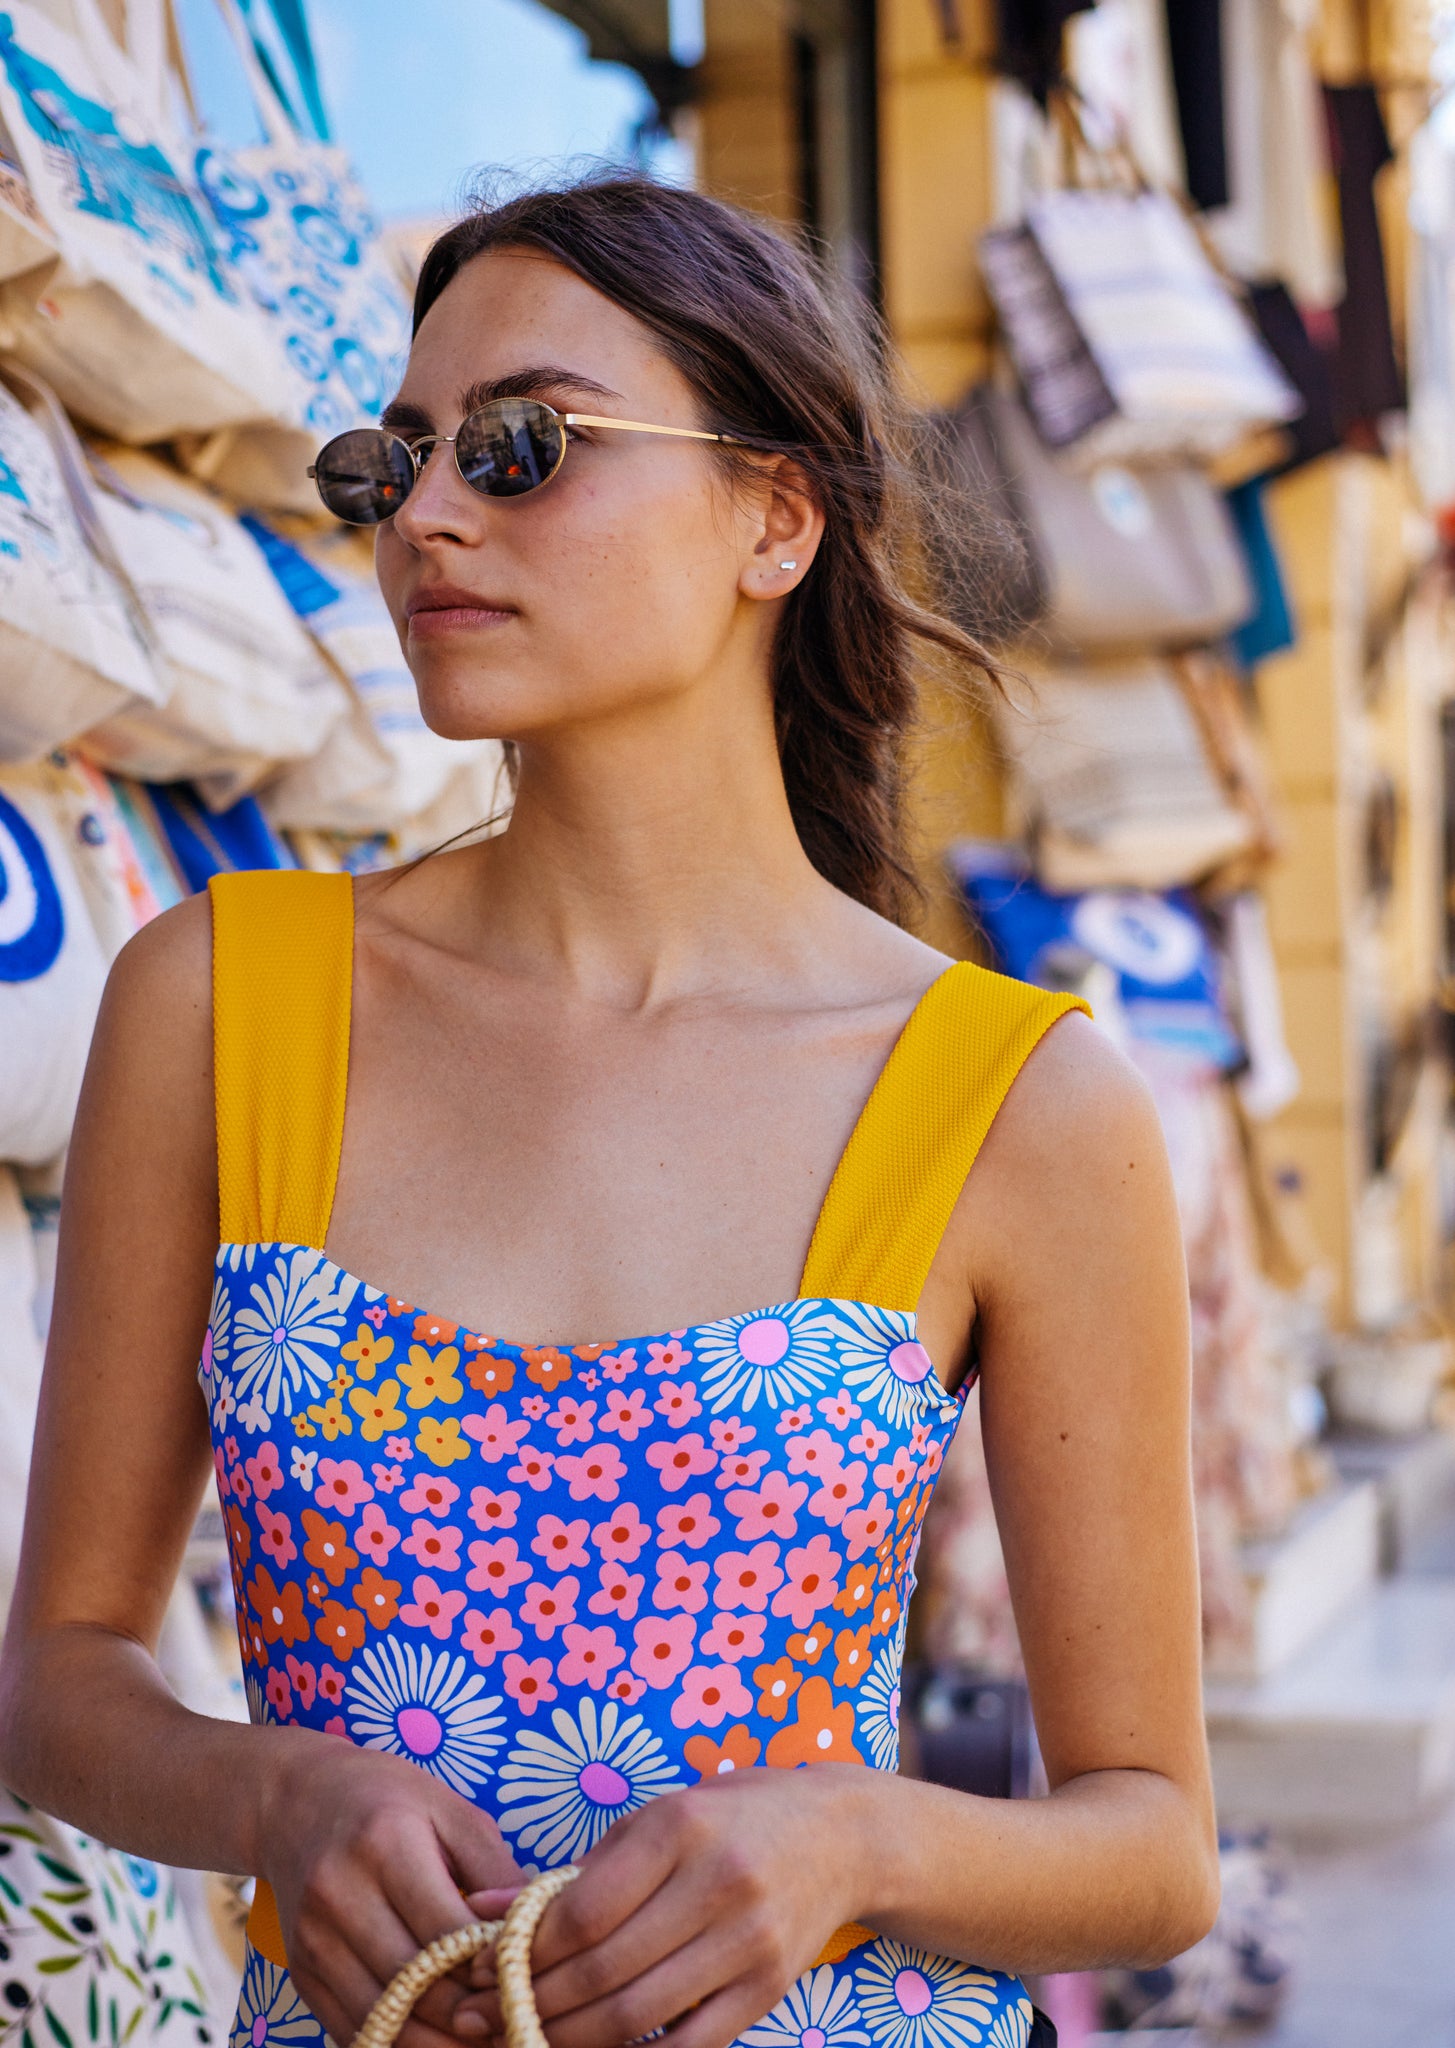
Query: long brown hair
(781, 360)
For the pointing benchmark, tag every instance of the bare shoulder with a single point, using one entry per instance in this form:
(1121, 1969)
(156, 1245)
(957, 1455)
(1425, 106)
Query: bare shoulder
(1074, 1107)
(152, 1050)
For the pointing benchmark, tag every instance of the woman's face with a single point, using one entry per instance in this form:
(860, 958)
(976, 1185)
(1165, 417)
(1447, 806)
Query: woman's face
(623, 581)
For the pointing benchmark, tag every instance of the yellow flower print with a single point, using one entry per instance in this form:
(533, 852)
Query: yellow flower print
(441, 1441)
(341, 1382)
(303, 1427)
(330, 1417)
(368, 1350)
(375, 1409)
(431, 1379)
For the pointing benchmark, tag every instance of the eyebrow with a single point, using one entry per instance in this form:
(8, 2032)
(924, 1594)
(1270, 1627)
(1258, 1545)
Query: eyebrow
(536, 382)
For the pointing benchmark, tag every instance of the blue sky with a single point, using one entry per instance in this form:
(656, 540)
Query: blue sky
(423, 94)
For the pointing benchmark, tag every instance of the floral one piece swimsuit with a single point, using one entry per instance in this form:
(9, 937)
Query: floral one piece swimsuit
(567, 1578)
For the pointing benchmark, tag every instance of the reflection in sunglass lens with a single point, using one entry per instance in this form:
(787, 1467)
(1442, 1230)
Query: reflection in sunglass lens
(364, 476)
(512, 446)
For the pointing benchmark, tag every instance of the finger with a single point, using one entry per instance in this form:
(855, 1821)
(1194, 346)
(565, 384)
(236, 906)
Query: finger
(478, 1855)
(657, 1998)
(676, 1914)
(382, 1942)
(719, 2020)
(617, 1877)
(342, 1991)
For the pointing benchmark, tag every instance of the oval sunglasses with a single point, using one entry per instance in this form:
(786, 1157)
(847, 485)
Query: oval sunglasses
(502, 450)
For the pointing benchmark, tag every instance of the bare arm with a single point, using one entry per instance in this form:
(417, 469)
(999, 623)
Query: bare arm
(365, 1852)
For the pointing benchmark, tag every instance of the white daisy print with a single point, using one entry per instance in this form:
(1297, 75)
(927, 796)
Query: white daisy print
(876, 1708)
(778, 1355)
(912, 1999)
(270, 2011)
(1012, 2028)
(239, 1258)
(286, 1339)
(558, 1796)
(217, 1341)
(816, 2012)
(424, 1704)
(884, 1364)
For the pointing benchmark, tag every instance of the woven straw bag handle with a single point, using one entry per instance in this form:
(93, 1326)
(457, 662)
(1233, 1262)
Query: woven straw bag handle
(511, 1939)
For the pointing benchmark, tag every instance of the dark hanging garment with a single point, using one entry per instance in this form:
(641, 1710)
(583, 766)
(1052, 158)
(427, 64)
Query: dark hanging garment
(1195, 43)
(1306, 366)
(1028, 36)
(1367, 379)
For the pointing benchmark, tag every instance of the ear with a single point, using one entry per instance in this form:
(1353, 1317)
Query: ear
(787, 528)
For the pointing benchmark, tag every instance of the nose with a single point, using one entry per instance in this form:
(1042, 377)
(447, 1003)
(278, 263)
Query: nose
(441, 503)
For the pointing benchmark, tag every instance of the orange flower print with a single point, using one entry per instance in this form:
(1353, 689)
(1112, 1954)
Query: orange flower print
(431, 1379)
(738, 1751)
(886, 1611)
(588, 1352)
(547, 1366)
(809, 1646)
(822, 1733)
(279, 1608)
(240, 1535)
(368, 1351)
(441, 1442)
(316, 1587)
(431, 1330)
(490, 1375)
(397, 1307)
(858, 1594)
(339, 1631)
(328, 1547)
(377, 1597)
(376, 1409)
(851, 1651)
(776, 1683)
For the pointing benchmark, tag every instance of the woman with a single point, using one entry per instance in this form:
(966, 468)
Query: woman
(582, 1601)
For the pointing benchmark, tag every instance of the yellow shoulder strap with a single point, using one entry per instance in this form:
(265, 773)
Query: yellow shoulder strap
(903, 1169)
(282, 982)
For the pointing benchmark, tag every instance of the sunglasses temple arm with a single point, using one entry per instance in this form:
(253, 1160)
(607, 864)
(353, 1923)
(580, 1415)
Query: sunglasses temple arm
(586, 419)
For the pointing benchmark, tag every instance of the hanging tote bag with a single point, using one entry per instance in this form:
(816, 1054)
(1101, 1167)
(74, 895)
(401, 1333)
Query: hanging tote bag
(247, 688)
(27, 246)
(143, 329)
(72, 649)
(299, 229)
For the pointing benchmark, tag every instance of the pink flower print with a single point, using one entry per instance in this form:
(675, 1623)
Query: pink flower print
(280, 1695)
(242, 1490)
(497, 1437)
(838, 1410)
(432, 1608)
(560, 1543)
(330, 1683)
(386, 1478)
(496, 1567)
(534, 1469)
(265, 1470)
(731, 1433)
(815, 1454)
(376, 1535)
(623, 1537)
(619, 1593)
(896, 1476)
(771, 1511)
(491, 1511)
(571, 1420)
(335, 1725)
(680, 1584)
(745, 1579)
(428, 1544)
(932, 1460)
(811, 1583)
(528, 1684)
(743, 1469)
(339, 1484)
(669, 1357)
(617, 1364)
(232, 1449)
(488, 1636)
(431, 1494)
(304, 1680)
(627, 1414)
(794, 1419)
(533, 1405)
(399, 1448)
(591, 1655)
(864, 1528)
(841, 1490)
(590, 1379)
(626, 1688)
(710, 1692)
(734, 1636)
(690, 1522)
(594, 1474)
(678, 1402)
(378, 1315)
(688, 1457)
(868, 1440)
(548, 1608)
(224, 1484)
(919, 1436)
(663, 1648)
(276, 1536)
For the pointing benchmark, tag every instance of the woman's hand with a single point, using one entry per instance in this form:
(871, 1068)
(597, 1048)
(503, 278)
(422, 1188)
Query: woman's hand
(369, 1858)
(707, 1902)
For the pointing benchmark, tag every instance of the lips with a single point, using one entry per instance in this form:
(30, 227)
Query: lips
(449, 597)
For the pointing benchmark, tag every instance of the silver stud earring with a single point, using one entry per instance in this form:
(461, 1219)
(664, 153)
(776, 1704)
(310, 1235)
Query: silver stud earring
(788, 565)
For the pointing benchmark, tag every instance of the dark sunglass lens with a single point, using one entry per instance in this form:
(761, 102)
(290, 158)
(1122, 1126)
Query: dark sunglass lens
(364, 477)
(512, 446)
